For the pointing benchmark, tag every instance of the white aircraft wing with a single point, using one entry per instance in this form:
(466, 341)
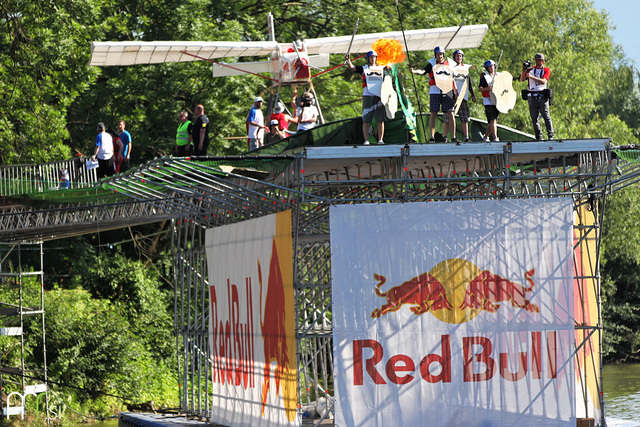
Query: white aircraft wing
(132, 53)
(469, 36)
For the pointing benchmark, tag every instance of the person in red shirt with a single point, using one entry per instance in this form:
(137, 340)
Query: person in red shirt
(283, 118)
(538, 94)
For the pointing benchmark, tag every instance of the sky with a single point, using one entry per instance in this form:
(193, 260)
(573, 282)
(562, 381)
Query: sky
(624, 15)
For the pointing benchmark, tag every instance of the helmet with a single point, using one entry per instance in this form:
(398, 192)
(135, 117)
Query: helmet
(459, 51)
(437, 50)
(371, 53)
(488, 64)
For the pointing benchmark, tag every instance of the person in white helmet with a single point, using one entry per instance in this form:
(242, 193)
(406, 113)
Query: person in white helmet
(372, 106)
(461, 76)
(438, 100)
(490, 109)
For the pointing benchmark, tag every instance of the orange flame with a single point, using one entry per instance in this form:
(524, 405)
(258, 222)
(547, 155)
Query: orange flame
(389, 51)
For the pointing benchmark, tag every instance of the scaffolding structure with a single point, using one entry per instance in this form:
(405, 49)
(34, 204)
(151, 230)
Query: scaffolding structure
(202, 192)
(321, 177)
(28, 285)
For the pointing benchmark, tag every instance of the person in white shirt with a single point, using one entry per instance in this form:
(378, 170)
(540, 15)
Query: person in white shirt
(306, 113)
(255, 124)
(104, 153)
(372, 106)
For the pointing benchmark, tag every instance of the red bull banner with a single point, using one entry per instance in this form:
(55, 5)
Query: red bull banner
(454, 313)
(251, 323)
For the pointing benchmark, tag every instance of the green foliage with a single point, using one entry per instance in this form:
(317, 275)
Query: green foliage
(42, 71)
(108, 330)
(51, 99)
(93, 345)
(129, 285)
(621, 276)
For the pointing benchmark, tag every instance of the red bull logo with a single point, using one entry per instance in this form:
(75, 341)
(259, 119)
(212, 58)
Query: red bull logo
(422, 293)
(257, 364)
(455, 291)
(488, 289)
(480, 361)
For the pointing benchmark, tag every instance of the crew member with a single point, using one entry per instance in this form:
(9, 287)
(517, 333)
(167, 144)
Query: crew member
(104, 152)
(372, 107)
(538, 94)
(283, 118)
(127, 146)
(274, 134)
(438, 99)
(200, 133)
(460, 77)
(255, 124)
(490, 109)
(306, 113)
(183, 135)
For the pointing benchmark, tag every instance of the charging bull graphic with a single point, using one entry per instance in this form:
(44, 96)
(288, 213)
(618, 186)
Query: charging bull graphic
(455, 291)
(488, 289)
(273, 327)
(423, 293)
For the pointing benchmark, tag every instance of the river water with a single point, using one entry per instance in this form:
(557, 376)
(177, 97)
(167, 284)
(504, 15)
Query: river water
(622, 391)
(621, 394)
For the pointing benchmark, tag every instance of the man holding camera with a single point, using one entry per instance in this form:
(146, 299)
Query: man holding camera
(538, 94)
(306, 113)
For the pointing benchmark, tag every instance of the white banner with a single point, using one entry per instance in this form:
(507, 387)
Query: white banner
(457, 313)
(252, 325)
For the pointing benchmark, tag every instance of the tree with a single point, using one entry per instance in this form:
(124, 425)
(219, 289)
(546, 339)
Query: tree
(52, 99)
(43, 70)
(620, 262)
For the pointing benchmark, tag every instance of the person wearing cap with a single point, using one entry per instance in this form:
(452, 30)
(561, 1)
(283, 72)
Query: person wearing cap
(104, 152)
(460, 77)
(283, 118)
(538, 95)
(372, 106)
(490, 109)
(200, 133)
(183, 135)
(438, 100)
(274, 134)
(255, 124)
(127, 146)
(306, 114)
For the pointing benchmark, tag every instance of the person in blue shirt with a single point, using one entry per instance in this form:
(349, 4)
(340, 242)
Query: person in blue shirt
(125, 138)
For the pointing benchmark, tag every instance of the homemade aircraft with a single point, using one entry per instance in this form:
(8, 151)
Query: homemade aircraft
(288, 63)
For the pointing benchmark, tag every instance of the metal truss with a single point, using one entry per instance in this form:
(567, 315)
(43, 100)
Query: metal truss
(200, 193)
(323, 177)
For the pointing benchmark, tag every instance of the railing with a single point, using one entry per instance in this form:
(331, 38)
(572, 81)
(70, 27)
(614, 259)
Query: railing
(63, 174)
